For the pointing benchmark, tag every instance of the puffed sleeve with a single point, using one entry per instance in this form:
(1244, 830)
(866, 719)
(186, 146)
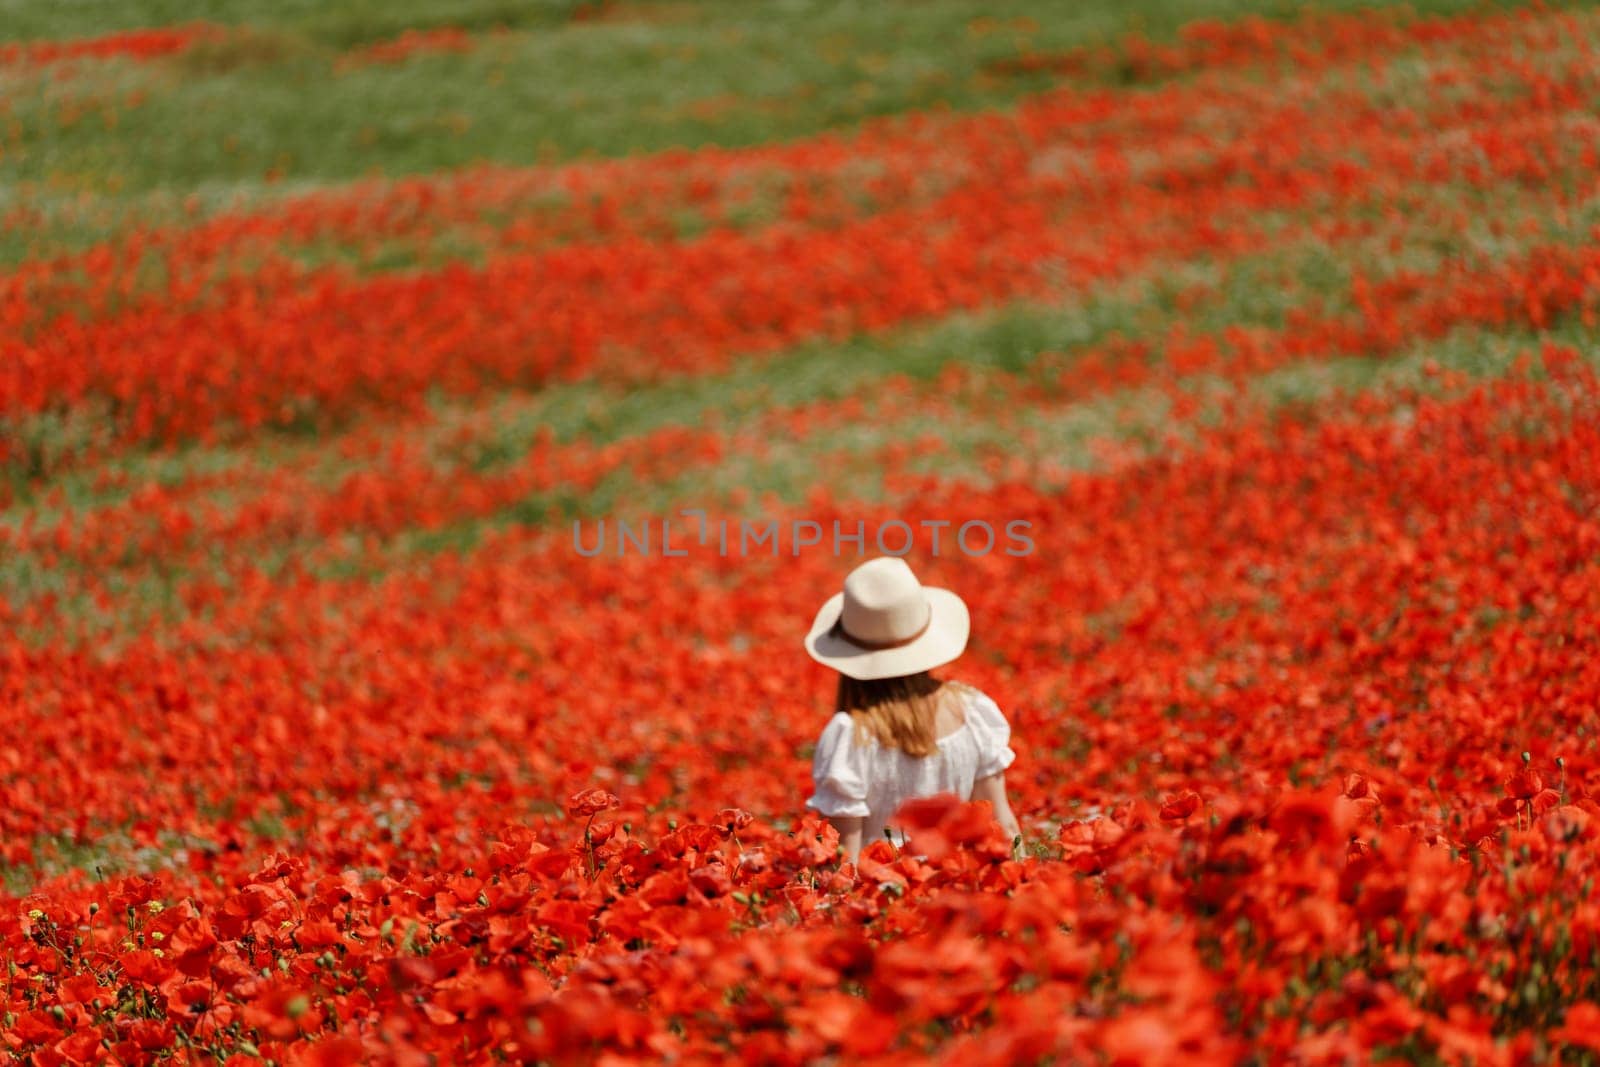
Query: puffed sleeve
(993, 734)
(839, 771)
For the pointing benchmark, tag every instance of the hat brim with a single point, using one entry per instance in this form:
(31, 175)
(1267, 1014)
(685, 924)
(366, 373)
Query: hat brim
(944, 640)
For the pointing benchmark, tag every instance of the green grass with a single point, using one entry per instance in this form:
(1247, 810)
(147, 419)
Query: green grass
(346, 22)
(352, 22)
(267, 111)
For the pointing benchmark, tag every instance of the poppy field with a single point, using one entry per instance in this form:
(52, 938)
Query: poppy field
(325, 329)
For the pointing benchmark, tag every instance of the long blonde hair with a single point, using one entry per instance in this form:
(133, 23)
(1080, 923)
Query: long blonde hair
(899, 712)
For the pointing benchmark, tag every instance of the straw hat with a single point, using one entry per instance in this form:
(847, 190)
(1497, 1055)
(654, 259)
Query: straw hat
(886, 624)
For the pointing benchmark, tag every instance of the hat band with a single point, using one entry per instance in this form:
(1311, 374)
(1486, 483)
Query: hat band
(880, 646)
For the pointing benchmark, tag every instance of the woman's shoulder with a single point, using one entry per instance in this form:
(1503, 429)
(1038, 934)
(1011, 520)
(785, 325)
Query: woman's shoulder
(840, 734)
(839, 726)
(970, 694)
(989, 729)
(979, 706)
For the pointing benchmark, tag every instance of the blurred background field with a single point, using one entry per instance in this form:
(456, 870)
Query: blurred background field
(226, 188)
(322, 323)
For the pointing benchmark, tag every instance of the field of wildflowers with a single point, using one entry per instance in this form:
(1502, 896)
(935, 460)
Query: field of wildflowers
(323, 326)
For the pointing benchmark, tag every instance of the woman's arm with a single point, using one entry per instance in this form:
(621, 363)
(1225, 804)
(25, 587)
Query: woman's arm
(993, 789)
(849, 827)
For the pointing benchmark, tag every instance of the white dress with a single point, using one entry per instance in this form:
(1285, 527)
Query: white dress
(872, 781)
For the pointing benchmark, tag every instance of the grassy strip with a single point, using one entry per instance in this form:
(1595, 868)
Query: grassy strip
(349, 23)
(345, 22)
(1052, 442)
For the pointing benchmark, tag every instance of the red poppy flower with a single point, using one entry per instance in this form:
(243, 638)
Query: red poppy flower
(1180, 807)
(1525, 784)
(590, 802)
